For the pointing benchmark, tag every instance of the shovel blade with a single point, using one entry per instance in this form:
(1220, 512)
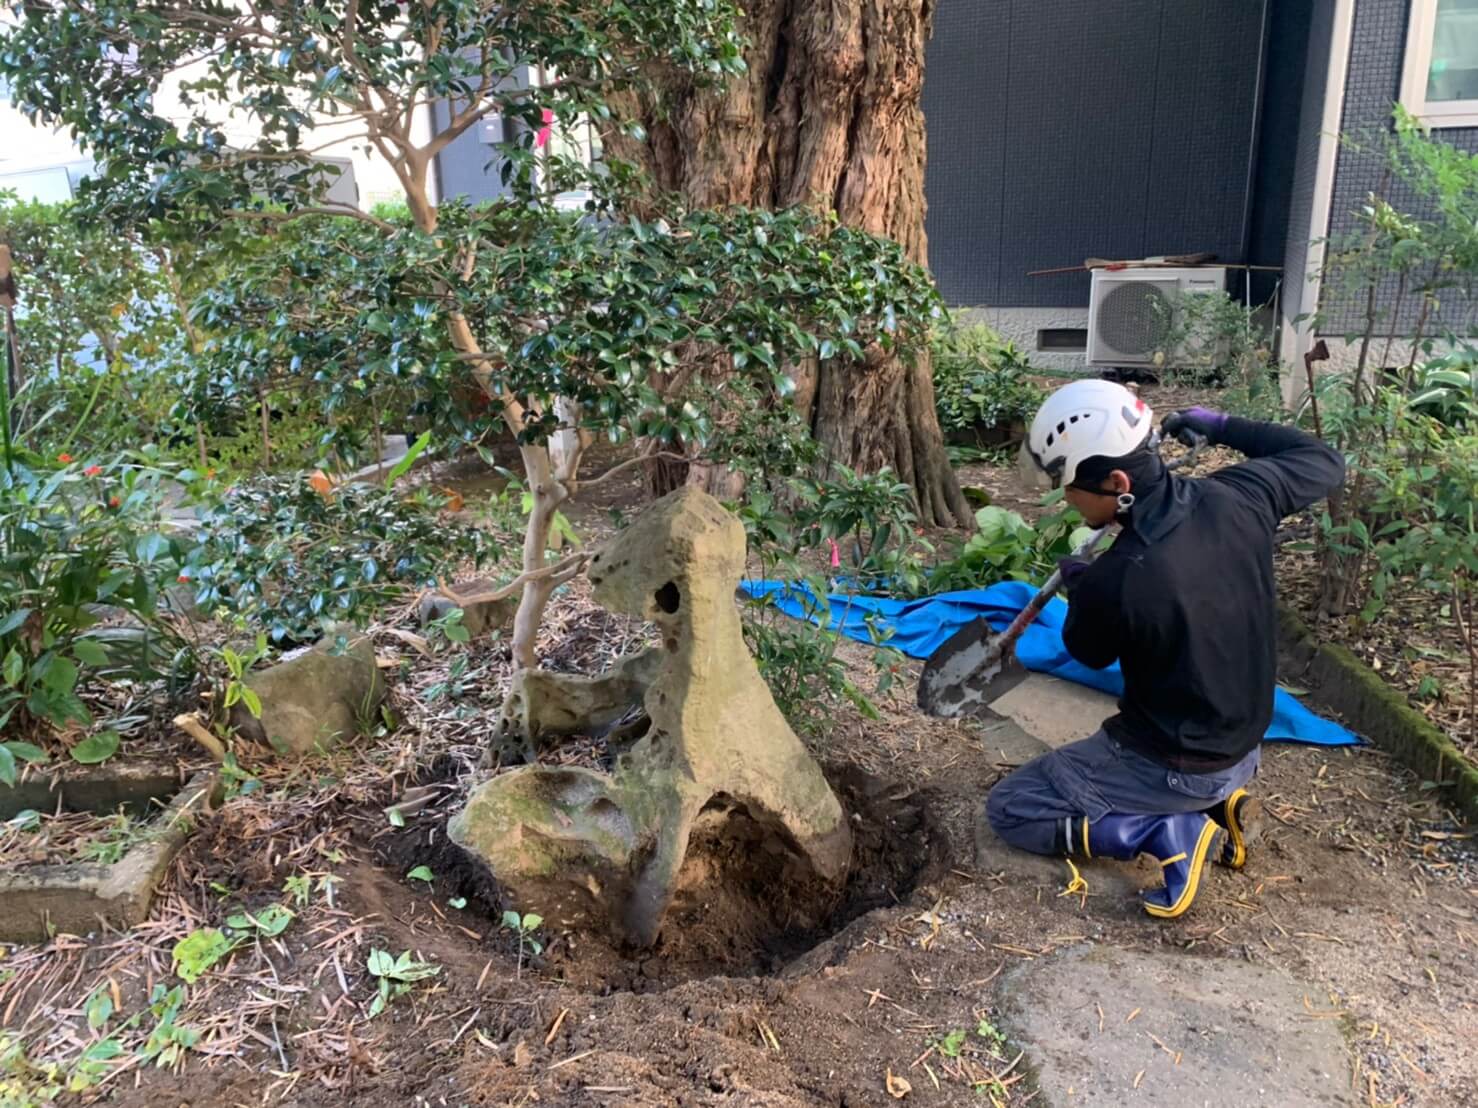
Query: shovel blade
(973, 668)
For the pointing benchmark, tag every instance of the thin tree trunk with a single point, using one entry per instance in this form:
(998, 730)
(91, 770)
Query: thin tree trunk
(266, 428)
(192, 336)
(551, 481)
(828, 115)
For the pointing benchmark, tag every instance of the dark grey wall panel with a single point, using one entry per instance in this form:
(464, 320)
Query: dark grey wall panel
(469, 167)
(1060, 129)
(1284, 73)
(1377, 51)
(1310, 126)
(1205, 108)
(1079, 126)
(966, 88)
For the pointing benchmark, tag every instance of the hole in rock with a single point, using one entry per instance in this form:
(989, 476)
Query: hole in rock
(669, 598)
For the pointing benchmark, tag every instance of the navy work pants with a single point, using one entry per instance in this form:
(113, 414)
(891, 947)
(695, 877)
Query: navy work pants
(1092, 778)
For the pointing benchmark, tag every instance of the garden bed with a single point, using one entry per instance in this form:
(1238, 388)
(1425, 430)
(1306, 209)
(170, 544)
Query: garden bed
(72, 870)
(1339, 681)
(31, 838)
(1415, 648)
(719, 1012)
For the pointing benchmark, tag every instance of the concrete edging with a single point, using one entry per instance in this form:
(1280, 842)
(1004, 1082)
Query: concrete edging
(1372, 708)
(96, 788)
(77, 898)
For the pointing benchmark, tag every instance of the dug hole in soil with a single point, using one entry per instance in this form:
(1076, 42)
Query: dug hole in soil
(738, 912)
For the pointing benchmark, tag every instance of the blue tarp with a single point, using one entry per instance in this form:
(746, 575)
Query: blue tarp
(919, 627)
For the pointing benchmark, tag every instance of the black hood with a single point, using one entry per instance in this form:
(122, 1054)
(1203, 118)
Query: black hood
(1161, 499)
(1161, 505)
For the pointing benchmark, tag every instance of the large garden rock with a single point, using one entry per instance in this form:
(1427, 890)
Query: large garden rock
(317, 699)
(581, 845)
(542, 706)
(479, 616)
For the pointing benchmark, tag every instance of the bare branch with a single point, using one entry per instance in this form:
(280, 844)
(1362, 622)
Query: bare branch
(631, 462)
(192, 726)
(299, 213)
(560, 571)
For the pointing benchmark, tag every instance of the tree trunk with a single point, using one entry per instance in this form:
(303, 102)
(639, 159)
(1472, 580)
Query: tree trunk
(828, 114)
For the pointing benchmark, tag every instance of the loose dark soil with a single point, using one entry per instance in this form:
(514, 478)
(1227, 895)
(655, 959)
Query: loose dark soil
(1364, 888)
(736, 912)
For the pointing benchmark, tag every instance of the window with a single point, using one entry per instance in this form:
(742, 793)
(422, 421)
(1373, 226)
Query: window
(1439, 81)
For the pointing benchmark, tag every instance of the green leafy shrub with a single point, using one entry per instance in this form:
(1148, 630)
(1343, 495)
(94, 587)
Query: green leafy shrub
(870, 519)
(980, 379)
(789, 537)
(1446, 389)
(283, 556)
(1212, 339)
(74, 537)
(1007, 548)
(799, 663)
(93, 326)
(1408, 270)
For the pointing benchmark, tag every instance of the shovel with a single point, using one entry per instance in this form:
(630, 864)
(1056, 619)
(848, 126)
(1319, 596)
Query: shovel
(976, 666)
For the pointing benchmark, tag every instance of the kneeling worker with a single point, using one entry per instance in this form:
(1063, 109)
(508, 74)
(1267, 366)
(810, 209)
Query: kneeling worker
(1184, 601)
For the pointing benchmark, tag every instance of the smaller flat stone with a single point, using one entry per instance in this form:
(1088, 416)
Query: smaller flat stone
(1055, 711)
(1241, 1032)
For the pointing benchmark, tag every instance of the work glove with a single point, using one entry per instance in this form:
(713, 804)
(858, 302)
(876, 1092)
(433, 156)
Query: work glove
(1072, 570)
(1192, 423)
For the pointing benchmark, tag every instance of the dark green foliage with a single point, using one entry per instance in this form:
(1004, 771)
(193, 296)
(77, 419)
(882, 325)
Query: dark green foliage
(980, 379)
(74, 535)
(291, 560)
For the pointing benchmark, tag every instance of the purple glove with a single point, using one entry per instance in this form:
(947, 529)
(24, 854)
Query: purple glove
(1187, 425)
(1072, 570)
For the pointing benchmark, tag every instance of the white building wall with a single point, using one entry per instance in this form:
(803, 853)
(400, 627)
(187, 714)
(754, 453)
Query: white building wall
(25, 148)
(1022, 326)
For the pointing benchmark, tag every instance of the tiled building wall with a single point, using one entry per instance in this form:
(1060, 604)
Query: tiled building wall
(1376, 53)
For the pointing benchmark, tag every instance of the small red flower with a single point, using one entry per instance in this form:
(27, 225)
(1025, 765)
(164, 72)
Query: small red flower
(183, 579)
(92, 471)
(114, 502)
(64, 458)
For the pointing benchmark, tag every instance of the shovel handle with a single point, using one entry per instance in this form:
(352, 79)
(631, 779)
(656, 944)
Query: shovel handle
(1048, 590)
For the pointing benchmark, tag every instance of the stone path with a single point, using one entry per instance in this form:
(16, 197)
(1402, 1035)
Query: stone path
(1106, 1026)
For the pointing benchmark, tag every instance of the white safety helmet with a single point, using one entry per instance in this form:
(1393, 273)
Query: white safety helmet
(1086, 419)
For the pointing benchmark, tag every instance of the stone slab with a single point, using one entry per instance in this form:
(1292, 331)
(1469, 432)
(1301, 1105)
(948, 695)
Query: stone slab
(1056, 712)
(41, 901)
(1242, 1032)
(101, 788)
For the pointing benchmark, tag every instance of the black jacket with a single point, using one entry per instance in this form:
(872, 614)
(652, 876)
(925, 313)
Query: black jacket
(1185, 600)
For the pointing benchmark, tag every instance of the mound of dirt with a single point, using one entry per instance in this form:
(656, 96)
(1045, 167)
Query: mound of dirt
(738, 912)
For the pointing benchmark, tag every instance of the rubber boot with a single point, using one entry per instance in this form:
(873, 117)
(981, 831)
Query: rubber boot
(1241, 815)
(1182, 843)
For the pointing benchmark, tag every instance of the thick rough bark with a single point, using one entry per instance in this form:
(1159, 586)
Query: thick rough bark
(828, 114)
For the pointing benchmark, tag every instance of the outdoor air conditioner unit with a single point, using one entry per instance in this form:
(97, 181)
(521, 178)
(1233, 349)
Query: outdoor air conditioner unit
(1131, 312)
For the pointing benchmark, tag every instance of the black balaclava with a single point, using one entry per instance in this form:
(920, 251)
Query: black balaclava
(1161, 499)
